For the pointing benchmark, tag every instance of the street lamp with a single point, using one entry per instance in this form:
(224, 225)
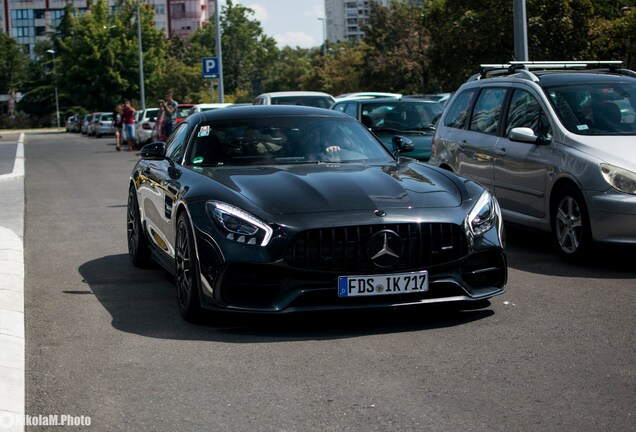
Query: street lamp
(57, 104)
(141, 61)
(324, 37)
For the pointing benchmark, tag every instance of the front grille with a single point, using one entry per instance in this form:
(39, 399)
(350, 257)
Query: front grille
(345, 248)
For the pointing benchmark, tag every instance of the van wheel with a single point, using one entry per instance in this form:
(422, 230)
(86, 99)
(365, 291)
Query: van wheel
(570, 224)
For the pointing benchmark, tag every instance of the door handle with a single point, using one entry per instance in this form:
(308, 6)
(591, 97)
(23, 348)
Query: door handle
(463, 143)
(501, 152)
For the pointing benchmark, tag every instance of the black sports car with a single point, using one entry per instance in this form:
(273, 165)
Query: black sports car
(284, 208)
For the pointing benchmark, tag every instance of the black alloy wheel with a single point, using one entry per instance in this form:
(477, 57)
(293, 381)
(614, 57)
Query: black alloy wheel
(570, 224)
(187, 278)
(138, 249)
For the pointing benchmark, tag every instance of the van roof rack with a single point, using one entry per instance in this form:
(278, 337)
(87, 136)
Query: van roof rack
(489, 70)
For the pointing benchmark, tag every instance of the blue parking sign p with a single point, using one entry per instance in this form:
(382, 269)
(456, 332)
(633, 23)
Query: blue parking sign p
(210, 67)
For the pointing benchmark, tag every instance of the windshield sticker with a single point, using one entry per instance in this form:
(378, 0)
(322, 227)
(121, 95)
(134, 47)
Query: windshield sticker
(197, 160)
(582, 127)
(205, 131)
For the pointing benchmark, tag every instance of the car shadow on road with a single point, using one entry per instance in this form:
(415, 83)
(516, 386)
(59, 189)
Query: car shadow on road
(143, 301)
(533, 251)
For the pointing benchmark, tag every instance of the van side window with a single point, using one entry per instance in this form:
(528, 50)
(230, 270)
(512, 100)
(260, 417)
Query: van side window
(487, 112)
(525, 111)
(459, 111)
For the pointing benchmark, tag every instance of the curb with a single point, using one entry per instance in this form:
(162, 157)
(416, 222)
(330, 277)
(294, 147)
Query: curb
(12, 327)
(12, 339)
(18, 164)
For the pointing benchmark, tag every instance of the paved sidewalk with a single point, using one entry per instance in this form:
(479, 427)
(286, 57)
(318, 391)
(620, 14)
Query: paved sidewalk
(12, 339)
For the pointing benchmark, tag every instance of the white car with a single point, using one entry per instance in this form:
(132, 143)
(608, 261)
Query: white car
(208, 106)
(367, 95)
(305, 98)
(144, 124)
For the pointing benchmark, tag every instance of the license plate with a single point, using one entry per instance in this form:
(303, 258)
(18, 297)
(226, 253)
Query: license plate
(399, 283)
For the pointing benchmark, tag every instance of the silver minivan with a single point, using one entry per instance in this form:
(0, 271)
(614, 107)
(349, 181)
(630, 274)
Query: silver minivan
(555, 143)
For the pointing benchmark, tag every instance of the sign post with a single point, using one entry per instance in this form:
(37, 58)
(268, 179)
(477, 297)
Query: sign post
(210, 70)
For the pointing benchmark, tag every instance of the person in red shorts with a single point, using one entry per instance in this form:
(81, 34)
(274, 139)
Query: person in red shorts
(129, 124)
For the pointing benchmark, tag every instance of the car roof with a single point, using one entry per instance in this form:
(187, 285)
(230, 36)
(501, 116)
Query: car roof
(388, 100)
(250, 111)
(368, 95)
(295, 93)
(548, 78)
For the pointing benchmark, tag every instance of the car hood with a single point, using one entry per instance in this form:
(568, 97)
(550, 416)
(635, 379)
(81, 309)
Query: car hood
(619, 150)
(336, 188)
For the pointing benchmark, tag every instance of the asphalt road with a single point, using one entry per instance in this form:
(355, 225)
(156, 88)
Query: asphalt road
(105, 340)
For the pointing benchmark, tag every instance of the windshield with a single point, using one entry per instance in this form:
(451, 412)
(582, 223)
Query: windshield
(400, 116)
(284, 140)
(596, 109)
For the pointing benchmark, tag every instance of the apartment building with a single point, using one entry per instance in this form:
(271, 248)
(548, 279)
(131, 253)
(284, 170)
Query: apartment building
(346, 18)
(30, 20)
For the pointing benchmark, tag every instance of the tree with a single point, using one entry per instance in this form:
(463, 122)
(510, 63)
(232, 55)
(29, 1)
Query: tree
(472, 33)
(398, 47)
(98, 53)
(248, 54)
(13, 63)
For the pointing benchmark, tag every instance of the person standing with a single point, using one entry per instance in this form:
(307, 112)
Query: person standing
(170, 112)
(129, 124)
(118, 125)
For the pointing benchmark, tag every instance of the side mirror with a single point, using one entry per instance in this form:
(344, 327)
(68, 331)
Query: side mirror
(523, 134)
(155, 150)
(402, 144)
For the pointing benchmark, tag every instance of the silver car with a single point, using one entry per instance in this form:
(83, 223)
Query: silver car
(103, 125)
(144, 123)
(556, 147)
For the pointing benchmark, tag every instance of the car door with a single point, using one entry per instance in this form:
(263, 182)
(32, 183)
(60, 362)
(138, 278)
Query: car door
(522, 169)
(470, 136)
(159, 189)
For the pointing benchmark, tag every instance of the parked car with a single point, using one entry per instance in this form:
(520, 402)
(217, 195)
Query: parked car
(555, 146)
(77, 123)
(277, 209)
(208, 106)
(386, 118)
(304, 98)
(69, 123)
(367, 95)
(92, 125)
(144, 124)
(87, 120)
(440, 98)
(103, 125)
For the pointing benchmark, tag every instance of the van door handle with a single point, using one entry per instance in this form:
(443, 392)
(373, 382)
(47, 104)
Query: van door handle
(463, 143)
(501, 152)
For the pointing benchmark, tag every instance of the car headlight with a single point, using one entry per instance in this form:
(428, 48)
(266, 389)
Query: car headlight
(619, 178)
(484, 216)
(238, 225)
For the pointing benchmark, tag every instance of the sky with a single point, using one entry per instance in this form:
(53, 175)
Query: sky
(289, 22)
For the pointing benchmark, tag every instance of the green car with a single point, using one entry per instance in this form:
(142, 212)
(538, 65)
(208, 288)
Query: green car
(386, 118)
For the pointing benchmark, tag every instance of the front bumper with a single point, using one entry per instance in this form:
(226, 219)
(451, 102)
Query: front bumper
(612, 217)
(269, 284)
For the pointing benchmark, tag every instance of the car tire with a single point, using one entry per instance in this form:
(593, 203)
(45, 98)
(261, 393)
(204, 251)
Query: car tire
(571, 231)
(138, 247)
(186, 272)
